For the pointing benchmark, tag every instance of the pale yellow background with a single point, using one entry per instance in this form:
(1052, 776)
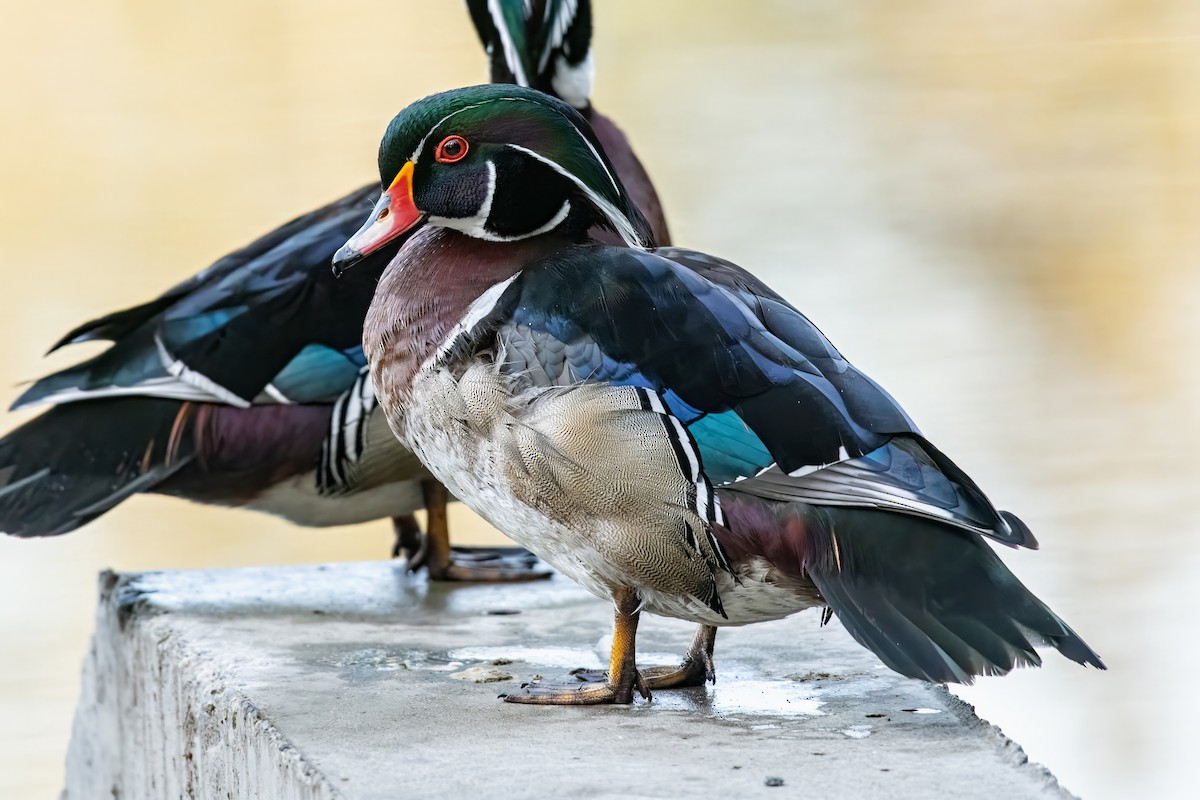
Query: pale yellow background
(990, 205)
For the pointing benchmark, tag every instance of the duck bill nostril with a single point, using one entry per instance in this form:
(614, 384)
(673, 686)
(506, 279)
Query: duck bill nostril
(395, 214)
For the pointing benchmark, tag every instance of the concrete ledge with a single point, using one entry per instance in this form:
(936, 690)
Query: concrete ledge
(356, 681)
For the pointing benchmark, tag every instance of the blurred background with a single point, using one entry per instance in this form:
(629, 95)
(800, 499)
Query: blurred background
(988, 205)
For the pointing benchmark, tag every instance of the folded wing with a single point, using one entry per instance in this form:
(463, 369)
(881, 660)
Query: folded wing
(775, 410)
(267, 323)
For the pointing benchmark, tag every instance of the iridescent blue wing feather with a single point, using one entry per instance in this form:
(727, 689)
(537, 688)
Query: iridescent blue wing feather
(670, 328)
(775, 410)
(267, 323)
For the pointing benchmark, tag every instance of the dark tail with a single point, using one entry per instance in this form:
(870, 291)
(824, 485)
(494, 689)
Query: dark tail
(77, 461)
(932, 601)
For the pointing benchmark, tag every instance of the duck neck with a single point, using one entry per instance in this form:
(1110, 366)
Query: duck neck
(428, 288)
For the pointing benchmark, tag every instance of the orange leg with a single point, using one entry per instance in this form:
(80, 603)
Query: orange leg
(696, 669)
(622, 678)
(432, 548)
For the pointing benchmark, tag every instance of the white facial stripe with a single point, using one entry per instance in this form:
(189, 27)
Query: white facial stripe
(473, 225)
(476, 226)
(511, 56)
(421, 146)
(619, 221)
(595, 152)
(554, 222)
(470, 227)
(599, 160)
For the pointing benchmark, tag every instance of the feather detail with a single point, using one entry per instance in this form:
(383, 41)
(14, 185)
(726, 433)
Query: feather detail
(343, 447)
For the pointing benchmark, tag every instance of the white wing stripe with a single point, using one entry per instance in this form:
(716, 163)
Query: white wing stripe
(189, 376)
(511, 56)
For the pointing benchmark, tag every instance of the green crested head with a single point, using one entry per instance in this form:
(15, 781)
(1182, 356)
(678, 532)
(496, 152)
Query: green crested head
(499, 163)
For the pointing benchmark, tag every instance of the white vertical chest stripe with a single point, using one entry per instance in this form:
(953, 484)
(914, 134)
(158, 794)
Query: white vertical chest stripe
(476, 313)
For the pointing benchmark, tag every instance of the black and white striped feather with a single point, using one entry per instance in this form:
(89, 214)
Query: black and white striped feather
(703, 500)
(343, 448)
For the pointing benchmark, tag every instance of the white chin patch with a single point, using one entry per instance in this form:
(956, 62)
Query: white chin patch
(574, 83)
(476, 227)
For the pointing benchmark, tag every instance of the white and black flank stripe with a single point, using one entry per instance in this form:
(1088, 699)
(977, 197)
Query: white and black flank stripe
(344, 444)
(703, 499)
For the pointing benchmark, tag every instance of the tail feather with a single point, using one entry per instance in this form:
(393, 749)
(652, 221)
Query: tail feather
(75, 462)
(112, 327)
(932, 601)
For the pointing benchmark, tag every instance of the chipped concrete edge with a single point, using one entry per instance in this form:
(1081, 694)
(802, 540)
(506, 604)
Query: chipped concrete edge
(1010, 751)
(156, 719)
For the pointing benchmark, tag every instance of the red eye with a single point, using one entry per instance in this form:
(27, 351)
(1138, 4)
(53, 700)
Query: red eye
(452, 149)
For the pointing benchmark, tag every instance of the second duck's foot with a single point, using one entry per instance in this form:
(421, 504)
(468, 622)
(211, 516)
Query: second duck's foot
(467, 564)
(409, 541)
(511, 564)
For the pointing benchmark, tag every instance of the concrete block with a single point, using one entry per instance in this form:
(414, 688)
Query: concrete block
(357, 681)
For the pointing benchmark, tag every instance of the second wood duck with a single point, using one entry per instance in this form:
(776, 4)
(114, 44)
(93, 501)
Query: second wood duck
(658, 424)
(242, 386)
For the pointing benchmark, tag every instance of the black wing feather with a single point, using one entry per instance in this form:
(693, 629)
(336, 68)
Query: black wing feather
(713, 338)
(239, 322)
(685, 333)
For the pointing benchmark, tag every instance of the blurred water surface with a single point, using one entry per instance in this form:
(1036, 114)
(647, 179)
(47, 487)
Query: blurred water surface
(991, 206)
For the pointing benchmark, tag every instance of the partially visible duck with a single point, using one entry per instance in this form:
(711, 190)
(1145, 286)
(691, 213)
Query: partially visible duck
(243, 386)
(658, 424)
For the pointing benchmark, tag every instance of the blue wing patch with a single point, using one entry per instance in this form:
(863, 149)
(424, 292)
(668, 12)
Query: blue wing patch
(729, 449)
(318, 374)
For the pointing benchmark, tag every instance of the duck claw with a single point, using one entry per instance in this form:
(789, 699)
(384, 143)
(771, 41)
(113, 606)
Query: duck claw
(480, 564)
(580, 694)
(689, 673)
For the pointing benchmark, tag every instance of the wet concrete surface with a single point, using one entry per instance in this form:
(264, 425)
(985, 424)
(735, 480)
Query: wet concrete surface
(359, 681)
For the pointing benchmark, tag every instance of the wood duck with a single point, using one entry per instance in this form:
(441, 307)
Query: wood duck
(242, 386)
(657, 423)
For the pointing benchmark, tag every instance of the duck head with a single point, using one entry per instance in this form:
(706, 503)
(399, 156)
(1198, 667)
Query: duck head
(497, 163)
(545, 44)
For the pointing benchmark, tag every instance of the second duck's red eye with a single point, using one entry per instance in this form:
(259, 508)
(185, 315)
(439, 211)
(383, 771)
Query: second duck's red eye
(452, 149)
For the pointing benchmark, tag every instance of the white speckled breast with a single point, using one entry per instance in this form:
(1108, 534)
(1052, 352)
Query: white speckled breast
(612, 523)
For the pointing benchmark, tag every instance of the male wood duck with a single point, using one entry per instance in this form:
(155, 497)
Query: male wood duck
(241, 386)
(658, 424)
